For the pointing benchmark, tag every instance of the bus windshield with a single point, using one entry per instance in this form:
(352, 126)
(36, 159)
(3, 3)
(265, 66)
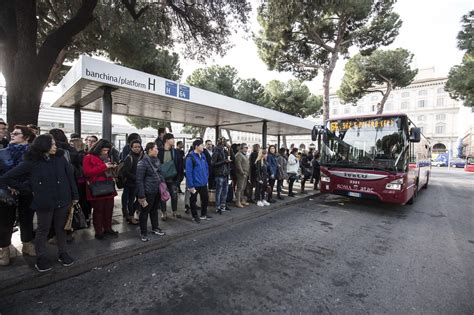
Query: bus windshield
(367, 143)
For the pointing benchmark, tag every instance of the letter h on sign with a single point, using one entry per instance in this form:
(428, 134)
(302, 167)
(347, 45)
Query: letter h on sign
(150, 84)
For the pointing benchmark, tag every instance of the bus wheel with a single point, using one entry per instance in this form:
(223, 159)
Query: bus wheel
(412, 199)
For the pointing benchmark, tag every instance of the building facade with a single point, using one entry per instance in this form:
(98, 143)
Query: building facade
(443, 121)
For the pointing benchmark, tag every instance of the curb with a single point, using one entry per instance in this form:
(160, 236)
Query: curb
(33, 281)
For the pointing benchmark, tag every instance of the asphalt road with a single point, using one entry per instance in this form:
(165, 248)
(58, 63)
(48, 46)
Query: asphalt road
(330, 255)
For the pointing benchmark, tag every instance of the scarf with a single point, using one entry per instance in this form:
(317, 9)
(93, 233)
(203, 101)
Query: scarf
(16, 153)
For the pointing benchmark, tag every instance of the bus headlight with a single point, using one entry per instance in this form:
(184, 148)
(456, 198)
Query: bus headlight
(395, 185)
(325, 178)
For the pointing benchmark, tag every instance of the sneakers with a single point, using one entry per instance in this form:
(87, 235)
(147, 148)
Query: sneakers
(4, 256)
(158, 232)
(43, 264)
(100, 236)
(265, 203)
(176, 215)
(205, 217)
(196, 219)
(144, 238)
(111, 233)
(260, 203)
(219, 211)
(66, 260)
(28, 249)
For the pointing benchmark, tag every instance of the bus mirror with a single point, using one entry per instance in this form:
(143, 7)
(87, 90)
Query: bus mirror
(415, 134)
(314, 133)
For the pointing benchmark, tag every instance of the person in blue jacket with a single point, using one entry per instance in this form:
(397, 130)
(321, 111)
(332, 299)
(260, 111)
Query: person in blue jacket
(197, 174)
(272, 167)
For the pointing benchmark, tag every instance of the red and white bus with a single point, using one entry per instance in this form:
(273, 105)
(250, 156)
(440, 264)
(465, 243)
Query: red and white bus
(382, 157)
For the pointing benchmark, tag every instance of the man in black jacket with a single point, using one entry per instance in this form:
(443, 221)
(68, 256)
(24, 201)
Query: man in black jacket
(171, 169)
(129, 176)
(253, 172)
(220, 164)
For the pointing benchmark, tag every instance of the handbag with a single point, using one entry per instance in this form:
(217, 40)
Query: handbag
(78, 219)
(7, 198)
(165, 194)
(102, 188)
(168, 170)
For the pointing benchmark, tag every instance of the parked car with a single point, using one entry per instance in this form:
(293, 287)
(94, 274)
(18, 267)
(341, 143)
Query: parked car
(469, 167)
(439, 163)
(457, 162)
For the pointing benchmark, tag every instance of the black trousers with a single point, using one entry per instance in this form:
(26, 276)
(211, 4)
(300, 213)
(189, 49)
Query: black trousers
(260, 191)
(7, 220)
(131, 201)
(25, 217)
(154, 201)
(204, 194)
(279, 186)
(271, 184)
(83, 202)
(291, 181)
(57, 217)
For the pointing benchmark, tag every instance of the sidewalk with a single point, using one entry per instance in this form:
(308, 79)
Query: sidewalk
(90, 253)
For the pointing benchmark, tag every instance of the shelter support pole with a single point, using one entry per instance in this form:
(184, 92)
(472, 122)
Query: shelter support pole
(279, 143)
(264, 134)
(107, 114)
(218, 133)
(77, 119)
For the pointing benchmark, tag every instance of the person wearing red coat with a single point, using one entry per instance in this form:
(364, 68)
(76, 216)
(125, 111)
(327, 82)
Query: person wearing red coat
(97, 166)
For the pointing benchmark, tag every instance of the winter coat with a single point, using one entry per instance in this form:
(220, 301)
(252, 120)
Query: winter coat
(129, 170)
(178, 162)
(282, 167)
(293, 164)
(95, 171)
(242, 165)
(11, 157)
(197, 172)
(51, 181)
(305, 166)
(261, 172)
(253, 166)
(272, 166)
(148, 176)
(219, 164)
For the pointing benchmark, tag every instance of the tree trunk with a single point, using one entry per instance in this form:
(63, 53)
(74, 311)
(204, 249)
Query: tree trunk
(202, 133)
(23, 100)
(326, 84)
(284, 142)
(381, 104)
(229, 136)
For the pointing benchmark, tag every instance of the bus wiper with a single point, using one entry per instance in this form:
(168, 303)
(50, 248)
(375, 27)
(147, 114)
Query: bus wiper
(398, 158)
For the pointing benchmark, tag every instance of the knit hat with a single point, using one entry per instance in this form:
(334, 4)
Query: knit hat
(197, 143)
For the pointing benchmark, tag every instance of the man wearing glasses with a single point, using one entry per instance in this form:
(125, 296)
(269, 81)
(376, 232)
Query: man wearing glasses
(90, 141)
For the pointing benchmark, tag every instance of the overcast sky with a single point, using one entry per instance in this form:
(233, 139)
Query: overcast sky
(429, 31)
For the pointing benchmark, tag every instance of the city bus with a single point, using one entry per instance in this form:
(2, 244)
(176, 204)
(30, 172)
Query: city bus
(382, 157)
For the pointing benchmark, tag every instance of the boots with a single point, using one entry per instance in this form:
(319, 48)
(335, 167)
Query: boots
(302, 187)
(28, 249)
(238, 204)
(4, 256)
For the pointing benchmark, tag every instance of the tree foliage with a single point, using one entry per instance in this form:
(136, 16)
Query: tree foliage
(307, 36)
(251, 91)
(460, 84)
(382, 71)
(37, 36)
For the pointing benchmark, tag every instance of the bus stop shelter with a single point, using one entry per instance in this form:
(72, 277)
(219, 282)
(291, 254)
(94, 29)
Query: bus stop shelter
(99, 86)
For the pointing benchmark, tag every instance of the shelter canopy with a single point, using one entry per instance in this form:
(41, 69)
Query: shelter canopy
(140, 94)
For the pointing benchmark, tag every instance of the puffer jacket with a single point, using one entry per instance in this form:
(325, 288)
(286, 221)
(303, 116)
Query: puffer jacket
(95, 171)
(148, 176)
(8, 160)
(51, 181)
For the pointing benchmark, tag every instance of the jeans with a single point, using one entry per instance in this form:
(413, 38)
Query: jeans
(291, 180)
(204, 194)
(131, 201)
(125, 201)
(57, 217)
(173, 190)
(279, 186)
(222, 183)
(151, 210)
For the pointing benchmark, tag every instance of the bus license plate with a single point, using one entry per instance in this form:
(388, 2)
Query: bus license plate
(354, 194)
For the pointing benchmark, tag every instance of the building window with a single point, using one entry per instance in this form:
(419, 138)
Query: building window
(360, 109)
(374, 98)
(422, 92)
(421, 103)
(441, 117)
(441, 90)
(374, 107)
(389, 106)
(334, 111)
(421, 118)
(440, 102)
(405, 94)
(439, 129)
(405, 105)
(347, 110)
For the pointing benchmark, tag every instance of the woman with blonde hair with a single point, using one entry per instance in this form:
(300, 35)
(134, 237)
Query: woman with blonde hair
(262, 178)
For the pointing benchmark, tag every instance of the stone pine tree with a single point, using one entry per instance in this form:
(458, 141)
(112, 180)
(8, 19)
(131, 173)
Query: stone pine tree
(460, 83)
(382, 71)
(293, 98)
(37, 36)
(305, 37)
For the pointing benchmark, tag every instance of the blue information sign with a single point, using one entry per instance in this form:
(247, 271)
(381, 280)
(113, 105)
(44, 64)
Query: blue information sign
(184, 91)
(171, 88)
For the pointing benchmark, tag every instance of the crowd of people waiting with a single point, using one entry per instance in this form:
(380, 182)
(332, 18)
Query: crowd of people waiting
(47, 174)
